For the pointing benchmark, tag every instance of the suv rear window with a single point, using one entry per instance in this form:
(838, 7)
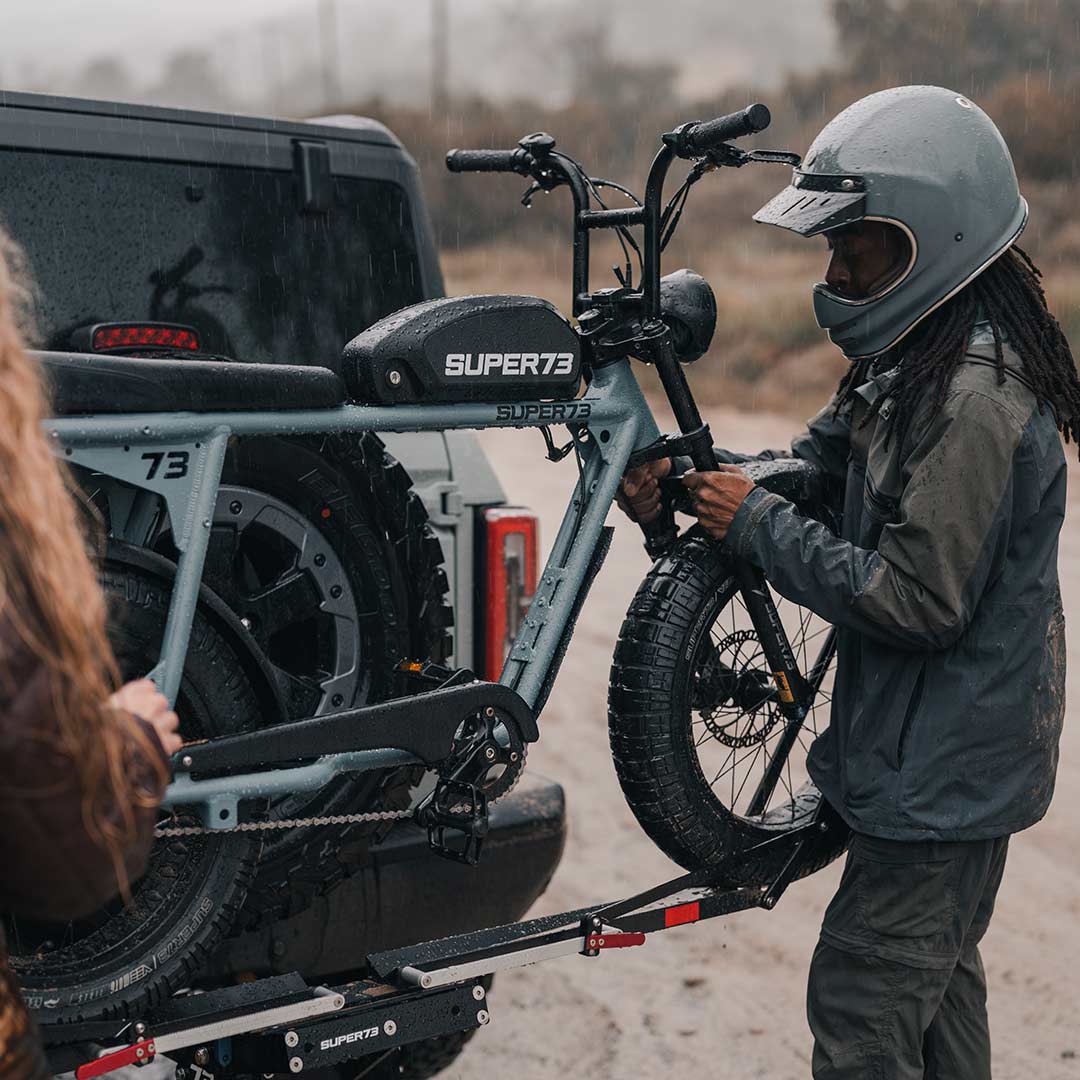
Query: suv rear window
(224, 249)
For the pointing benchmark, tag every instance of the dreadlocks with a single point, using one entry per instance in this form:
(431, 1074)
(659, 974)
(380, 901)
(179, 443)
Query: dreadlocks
(1010, 295)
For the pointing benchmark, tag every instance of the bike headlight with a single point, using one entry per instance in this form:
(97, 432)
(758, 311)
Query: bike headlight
(688, 308)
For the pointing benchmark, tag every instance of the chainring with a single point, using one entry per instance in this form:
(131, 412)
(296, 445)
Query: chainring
(493, 741)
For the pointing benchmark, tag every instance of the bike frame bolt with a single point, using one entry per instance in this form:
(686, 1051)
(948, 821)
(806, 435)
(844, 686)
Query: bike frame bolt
(482, 1016)
(296, 1064)
(426, 981)
(337, 700)
(320, 559)
(235, 506)
(291, 1039)
(202, 1056)
(186, 761)
(335, 591)
(393, 377)
(139, 1029)
(478, 993)
(389, 1028)
(513, 755)
(489, 711)
(489, 753)
(847, 185)
(206, 523)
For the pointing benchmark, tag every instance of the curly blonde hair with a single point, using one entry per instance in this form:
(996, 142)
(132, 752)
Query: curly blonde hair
(49, 591)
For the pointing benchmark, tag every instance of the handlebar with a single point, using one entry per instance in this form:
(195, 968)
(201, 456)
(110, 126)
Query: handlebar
(508, 161)
(696, 140)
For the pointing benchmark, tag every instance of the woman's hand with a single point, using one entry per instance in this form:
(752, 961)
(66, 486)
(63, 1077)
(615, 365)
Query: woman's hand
(639, 493)
(717, 496)
(145, 700)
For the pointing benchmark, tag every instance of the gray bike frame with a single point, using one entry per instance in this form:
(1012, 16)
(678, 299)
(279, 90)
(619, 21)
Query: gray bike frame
(179, 457)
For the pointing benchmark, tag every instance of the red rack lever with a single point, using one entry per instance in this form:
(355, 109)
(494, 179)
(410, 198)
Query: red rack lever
(137, 1054)
(614, 941)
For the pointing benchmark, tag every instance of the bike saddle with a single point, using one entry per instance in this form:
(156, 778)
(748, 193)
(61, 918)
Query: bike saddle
(84, 383)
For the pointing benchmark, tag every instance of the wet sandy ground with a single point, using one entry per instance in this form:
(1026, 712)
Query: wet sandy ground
(725, 999)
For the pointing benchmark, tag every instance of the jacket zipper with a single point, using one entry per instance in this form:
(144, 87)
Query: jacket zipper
(909, 716)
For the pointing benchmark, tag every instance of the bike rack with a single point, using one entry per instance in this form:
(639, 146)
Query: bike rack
(282, 1025)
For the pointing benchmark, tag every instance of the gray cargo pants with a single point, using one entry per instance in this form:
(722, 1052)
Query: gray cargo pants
(897, 989)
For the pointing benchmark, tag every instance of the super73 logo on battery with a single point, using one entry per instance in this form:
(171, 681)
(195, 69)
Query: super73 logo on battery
(509, 364)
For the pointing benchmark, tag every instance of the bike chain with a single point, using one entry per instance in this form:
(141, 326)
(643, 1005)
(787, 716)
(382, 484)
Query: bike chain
(328, 819)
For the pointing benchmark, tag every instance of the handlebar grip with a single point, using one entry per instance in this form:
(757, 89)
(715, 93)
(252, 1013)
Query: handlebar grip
(508, 161)
(701, 138)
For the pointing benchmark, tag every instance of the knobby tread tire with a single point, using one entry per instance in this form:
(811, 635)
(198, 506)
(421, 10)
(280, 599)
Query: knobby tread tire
(649, 720)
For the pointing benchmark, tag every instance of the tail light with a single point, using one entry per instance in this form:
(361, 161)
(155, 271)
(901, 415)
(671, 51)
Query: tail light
(511, 564)
(121, 337)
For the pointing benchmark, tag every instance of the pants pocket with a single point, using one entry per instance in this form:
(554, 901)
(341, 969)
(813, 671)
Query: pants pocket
(906, 897)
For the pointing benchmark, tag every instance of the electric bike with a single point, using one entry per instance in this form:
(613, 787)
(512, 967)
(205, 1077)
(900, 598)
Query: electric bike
(716, 687)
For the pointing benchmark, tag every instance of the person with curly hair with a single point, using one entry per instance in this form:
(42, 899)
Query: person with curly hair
(83, 760)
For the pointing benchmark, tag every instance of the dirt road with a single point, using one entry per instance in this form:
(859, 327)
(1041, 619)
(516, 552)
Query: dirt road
(724, 1000)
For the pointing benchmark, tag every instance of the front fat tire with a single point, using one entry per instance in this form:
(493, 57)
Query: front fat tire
(650, 728)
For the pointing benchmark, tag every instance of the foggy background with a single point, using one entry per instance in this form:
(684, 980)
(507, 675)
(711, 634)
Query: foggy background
(605, 79)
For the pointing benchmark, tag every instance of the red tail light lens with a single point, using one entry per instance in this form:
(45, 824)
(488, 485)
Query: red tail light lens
(143, 335)
(511, 549)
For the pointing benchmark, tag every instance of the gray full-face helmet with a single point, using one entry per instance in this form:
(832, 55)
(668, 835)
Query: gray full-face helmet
(927, 161)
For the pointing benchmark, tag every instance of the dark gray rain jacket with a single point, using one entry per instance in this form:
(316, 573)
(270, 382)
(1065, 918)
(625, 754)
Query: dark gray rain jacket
(950, 680)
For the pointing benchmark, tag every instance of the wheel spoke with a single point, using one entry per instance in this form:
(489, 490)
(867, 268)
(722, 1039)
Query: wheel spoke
(751, 729)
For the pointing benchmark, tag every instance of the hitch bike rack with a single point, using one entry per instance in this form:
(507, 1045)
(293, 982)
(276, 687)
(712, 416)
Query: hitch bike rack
(280, 1024)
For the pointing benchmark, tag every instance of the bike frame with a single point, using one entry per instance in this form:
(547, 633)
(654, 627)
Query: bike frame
(179, 458)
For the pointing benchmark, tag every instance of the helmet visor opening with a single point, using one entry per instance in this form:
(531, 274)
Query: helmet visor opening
(868, 259)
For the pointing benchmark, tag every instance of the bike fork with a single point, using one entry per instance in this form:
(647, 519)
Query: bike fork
(794, 692)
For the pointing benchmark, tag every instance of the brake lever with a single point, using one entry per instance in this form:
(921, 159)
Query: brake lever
(735, 157)
(530, 191)
(775, 157)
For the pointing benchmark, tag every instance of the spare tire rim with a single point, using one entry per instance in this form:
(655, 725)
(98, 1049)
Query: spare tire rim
(283, 578)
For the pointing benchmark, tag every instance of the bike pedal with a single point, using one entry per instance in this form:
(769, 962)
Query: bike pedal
(456, 817)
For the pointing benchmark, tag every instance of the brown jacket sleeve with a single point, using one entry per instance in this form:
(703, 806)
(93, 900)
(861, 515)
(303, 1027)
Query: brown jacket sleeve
(50, 866)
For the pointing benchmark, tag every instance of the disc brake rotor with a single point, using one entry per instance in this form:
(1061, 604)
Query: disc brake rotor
(735, 698)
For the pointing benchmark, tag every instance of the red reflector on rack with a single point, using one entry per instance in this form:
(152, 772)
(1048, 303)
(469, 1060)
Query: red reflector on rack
(511, 557)
(137, 1054)
(144, 335)
(684, 913)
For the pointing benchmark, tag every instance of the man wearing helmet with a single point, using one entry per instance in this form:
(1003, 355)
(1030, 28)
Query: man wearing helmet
(949, 690)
